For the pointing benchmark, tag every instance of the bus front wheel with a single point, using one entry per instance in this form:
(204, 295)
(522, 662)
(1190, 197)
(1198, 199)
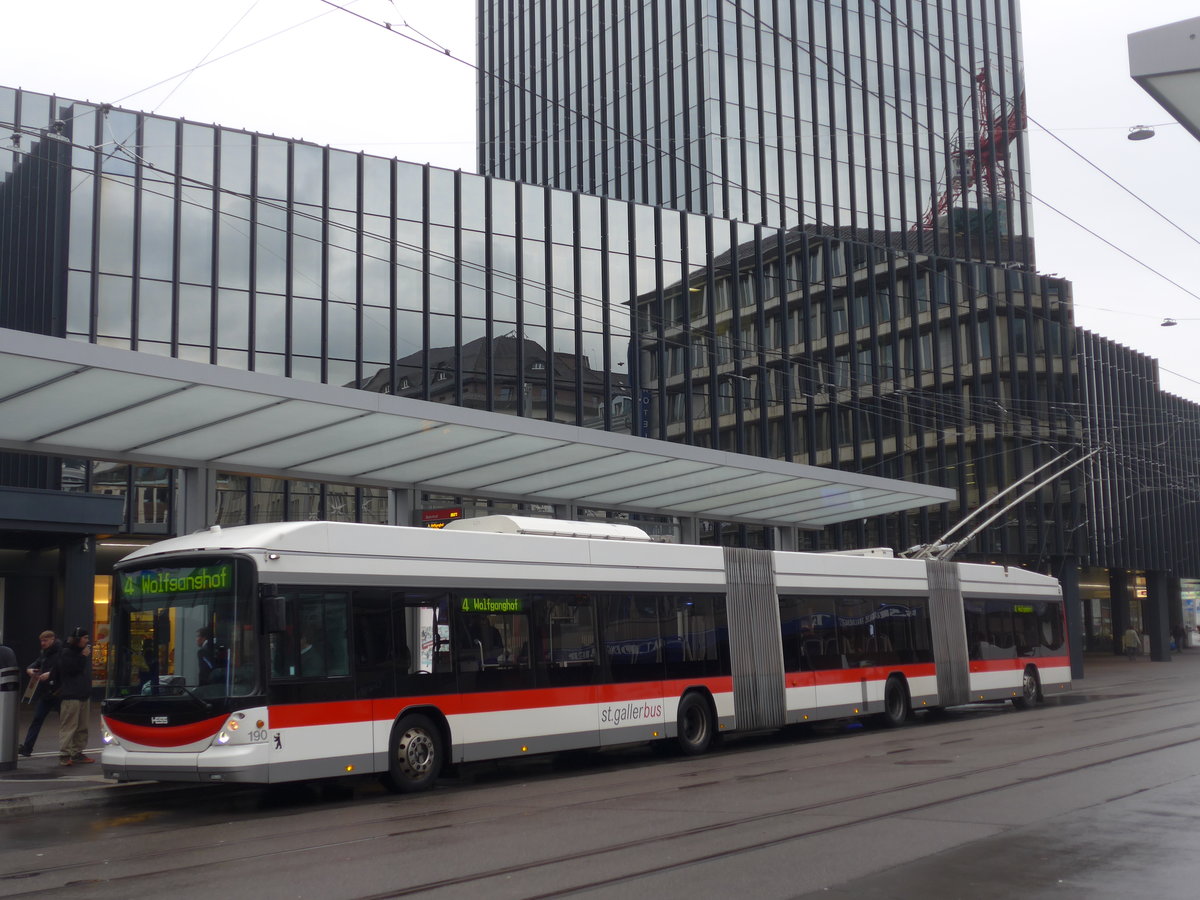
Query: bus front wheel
(695, 724)
(416, 755)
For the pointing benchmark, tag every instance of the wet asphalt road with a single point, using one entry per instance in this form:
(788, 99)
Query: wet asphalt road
(1096, 795)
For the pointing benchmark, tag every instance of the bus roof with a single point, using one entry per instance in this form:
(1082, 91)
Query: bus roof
(503, 524)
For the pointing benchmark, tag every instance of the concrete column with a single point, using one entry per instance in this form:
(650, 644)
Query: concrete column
(1068, 577)
(784, 539)
(401, 504)
(1157, 616)
(1175, 603)
(77, 570)
(1119, 586)
(689, 530)
(195, 500)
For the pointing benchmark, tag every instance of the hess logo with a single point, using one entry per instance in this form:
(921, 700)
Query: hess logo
(158, 720)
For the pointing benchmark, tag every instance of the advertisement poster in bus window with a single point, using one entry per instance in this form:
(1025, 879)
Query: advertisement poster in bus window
(428, 645)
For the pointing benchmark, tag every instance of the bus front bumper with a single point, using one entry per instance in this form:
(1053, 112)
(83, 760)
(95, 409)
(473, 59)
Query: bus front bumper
(242, 764)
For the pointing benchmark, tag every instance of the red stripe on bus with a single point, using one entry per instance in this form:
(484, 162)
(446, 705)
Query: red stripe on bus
(333, 713)
(1019, 663)
(349, 711)
(165, 735)
(357, 711)
(854, 676)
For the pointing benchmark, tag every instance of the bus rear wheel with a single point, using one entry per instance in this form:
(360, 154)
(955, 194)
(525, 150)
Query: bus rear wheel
(415, 756)
(1030, 689)
(695, 725)
(896, 706)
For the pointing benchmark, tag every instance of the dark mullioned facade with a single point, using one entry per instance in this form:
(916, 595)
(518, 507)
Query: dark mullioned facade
(888, 117)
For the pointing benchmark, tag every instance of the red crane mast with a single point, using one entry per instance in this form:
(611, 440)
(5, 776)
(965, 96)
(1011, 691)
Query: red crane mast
(988, 160)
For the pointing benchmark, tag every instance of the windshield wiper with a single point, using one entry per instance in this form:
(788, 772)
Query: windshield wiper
(204, 704)
(161, 690)
(120, 703)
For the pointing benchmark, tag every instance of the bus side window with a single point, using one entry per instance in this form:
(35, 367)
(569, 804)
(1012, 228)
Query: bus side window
(423, 652)
(1000, 628)
(323, 637)
(374, 657)
(315, 643)
(1050, 630)
(694, 636)
(854, 616)
(978, 645)
(920, 629)
(793, 622)
(491, 642)
(1025, 629)
(631, 640)
(566, 634)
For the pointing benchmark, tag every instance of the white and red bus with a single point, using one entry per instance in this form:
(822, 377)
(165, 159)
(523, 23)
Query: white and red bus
(304, 650)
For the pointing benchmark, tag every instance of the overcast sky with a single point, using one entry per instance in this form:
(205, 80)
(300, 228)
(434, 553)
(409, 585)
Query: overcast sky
(301, 69)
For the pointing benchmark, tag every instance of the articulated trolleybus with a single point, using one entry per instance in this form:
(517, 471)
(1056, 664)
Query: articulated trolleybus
(304, 650)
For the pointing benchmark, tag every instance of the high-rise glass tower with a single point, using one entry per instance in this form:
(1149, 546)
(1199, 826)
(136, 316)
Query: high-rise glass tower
(897, 122)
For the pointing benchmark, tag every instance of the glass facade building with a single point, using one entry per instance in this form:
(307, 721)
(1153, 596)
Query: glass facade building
(897, 122)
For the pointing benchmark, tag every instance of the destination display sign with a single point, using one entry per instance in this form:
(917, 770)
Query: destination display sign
(193, 580)
(492, 605)
(439, 518)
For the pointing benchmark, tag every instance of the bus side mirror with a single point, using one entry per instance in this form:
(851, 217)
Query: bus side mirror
(274, 609)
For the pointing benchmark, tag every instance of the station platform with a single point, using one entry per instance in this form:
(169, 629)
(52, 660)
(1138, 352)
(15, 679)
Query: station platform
(39, 782)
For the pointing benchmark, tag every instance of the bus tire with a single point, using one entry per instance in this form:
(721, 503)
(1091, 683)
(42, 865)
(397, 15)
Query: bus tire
(695, 726)
(897, 709)
(1031, 689)
(415, 755)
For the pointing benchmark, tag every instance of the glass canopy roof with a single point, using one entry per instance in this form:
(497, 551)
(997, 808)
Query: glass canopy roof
(66, 398)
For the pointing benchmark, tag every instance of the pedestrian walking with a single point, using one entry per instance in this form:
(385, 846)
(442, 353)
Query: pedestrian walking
(44, 695)
(1178, 635)
(74, 676)
(1132, 642)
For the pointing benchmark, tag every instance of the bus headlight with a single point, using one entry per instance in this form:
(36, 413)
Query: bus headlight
(234, 723)
(109, 739)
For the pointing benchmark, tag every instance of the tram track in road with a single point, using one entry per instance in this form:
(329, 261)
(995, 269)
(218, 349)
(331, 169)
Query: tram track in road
(1108, 714)
(759, 845)
(485, 813)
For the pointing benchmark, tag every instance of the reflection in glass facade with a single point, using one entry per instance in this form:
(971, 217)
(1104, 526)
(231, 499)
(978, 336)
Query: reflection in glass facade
(254, 252)
(898, 122)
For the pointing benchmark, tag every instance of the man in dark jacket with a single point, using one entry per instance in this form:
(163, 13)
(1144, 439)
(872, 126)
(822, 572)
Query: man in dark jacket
(39, 670)
(74, 676)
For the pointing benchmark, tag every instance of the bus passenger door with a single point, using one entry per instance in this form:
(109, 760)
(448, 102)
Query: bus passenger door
(837, 691)
(318, 728)
(630, 704)
(401, 657)
(800, 648)
(568, 667)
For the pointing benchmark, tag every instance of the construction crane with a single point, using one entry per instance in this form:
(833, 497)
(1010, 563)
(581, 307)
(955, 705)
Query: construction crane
(987, 162)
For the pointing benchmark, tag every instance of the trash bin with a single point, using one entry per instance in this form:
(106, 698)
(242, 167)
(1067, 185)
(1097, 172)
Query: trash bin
(10, 681)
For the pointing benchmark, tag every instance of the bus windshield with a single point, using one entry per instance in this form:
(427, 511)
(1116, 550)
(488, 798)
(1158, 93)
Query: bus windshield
(184, 630)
